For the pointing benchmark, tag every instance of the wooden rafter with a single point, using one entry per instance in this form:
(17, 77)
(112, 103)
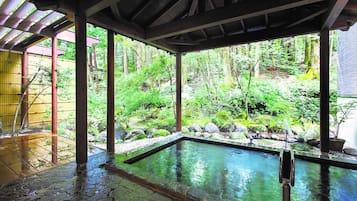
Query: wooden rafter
(222, 16)
(140, 9)
(165, 12)
(298, 21)
(211, 3)
(126, 29)
(115, 10)
(266, 34)
(266, 17)
(94, 6)
(335, 9)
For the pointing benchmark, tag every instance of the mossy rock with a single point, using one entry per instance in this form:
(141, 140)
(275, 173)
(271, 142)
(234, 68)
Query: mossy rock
(139, 137)
(257, 128)
(160, 132)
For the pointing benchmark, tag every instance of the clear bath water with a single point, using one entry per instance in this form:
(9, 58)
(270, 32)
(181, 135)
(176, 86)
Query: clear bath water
(237, 174)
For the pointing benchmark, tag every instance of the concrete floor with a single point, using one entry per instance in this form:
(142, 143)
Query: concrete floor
(66, 182)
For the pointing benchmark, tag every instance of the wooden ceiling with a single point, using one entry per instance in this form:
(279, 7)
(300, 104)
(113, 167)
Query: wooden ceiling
(22, 25)
(192, 25)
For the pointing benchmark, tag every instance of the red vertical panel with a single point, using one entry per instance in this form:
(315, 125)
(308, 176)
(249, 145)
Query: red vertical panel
(54, 100)
(24, 104)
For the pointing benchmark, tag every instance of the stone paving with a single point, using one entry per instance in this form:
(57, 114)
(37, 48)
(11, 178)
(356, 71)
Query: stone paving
(27, 154)
(67, 182)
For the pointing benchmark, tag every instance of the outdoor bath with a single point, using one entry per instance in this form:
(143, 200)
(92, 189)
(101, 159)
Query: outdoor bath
(196, 169)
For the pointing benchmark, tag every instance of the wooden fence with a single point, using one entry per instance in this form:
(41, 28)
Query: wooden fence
(39, 91)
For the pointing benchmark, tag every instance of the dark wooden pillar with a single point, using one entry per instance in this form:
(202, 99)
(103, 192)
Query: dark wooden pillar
(324, 90)
(24, 89)
(81, 89)
(110, 93)
(54, 100)
(178, 93)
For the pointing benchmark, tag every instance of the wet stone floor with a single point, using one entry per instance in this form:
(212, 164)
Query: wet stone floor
(67, 182)
(28, 154)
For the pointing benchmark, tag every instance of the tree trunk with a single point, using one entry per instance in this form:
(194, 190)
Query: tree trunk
(125, 62)
(229, 63)
(257, 58)
(315, 58)
(307, 59)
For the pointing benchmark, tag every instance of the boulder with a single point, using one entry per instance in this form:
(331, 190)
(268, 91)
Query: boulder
(228, 128)
(150, 131)
(195, 128)
(211, 128)
(313, 142)
(185, 130)
(120, 132)
(350, 151)
(134, 132)
(240, 128)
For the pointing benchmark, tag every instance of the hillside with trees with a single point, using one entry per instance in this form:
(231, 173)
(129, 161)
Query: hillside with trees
(241, 90)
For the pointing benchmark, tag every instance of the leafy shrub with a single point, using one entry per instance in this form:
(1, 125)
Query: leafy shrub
(160, 132)
(223, 119)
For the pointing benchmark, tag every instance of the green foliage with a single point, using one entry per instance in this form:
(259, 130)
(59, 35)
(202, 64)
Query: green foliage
(223, 119)
(160, 132)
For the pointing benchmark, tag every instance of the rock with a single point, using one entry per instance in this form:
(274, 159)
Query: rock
(185, 130)
(216, 136)
(207, 135)
(229, 128)
(280, 137)
(297, 130)
(133, 133)
(237, 136)
(211, 128)
(313, 142)
(265, 135)
(195, 128)
(350, 151)
(150, 132)
(257, 128)
(240, 128)
(299, 139)
(120, 132)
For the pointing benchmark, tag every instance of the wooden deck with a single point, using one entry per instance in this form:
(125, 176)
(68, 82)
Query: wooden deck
(28, 154)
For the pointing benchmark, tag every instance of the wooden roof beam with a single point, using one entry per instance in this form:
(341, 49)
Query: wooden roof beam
(94, 6)
(250, 37)
(140, 9)
(115, 11)
(166, 11)
(224, 15)
(306, 18)
(126, 29)
(335, 9)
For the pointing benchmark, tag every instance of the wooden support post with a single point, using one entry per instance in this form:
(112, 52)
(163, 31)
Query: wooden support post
(54, 100)
(81, 89)
(178, 93)
(24, 104)
(324, 90)
(110, 93)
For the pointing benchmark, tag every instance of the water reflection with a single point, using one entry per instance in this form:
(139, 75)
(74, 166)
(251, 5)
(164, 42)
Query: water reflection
(236, 174)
